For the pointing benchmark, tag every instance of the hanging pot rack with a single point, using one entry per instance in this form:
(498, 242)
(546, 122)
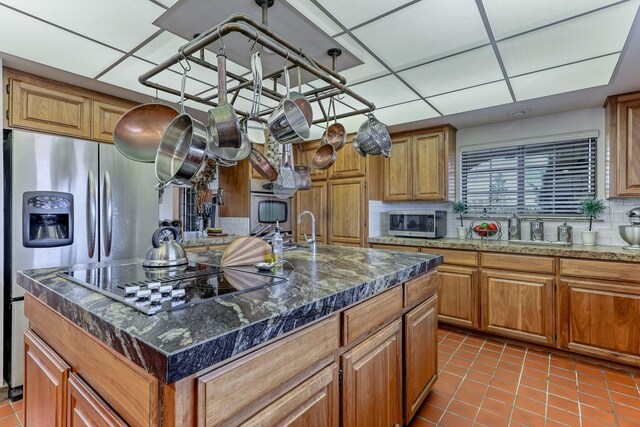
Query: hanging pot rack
(260, 34)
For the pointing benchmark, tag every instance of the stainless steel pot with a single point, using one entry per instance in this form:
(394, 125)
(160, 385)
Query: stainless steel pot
(223, 121)
(166, 253)
(183, 148)
(373, 137)
(288, 122)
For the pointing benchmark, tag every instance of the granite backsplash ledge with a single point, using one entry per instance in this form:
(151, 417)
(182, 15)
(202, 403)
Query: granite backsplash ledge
(598, 252)
(173, 345)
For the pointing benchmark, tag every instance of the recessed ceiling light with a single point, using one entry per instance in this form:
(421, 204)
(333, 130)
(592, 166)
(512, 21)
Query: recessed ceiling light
(519, 113)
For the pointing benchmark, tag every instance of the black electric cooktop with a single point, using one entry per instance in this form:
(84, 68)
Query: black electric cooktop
(152, 290)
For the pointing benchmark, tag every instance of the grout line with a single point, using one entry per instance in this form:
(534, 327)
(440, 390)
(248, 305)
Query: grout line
(613, 408)
(515, 394)
(504, 345)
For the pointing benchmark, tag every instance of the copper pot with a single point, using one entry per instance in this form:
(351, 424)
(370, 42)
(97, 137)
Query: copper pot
(262, 166)
(324, 157)
(139, 131)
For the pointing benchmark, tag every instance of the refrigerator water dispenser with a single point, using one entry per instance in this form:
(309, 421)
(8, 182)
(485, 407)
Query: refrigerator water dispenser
(47, 219)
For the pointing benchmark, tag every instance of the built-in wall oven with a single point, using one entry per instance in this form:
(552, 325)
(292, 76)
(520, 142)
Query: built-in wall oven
(267, 209)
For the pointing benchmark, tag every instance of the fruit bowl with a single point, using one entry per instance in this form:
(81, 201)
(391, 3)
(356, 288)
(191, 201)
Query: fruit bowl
(485, 233)
(485, 228)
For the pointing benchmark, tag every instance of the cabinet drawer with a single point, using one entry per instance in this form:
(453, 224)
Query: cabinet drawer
(370, 314)
(227, 396)
(627, 272)
(469, 258)
(533, 264)
(420, 288)
(395, 247)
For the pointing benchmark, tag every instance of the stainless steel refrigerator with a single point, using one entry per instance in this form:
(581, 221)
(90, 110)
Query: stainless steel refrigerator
(66, 201)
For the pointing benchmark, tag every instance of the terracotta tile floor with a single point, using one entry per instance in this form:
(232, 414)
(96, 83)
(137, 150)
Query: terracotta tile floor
(489, 383)
(11, 414)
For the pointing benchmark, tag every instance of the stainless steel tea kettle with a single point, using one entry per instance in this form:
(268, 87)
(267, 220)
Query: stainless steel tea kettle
(166, 253)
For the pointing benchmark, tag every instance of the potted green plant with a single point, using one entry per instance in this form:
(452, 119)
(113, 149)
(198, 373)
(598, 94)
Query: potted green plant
(592, 209)
(460, 208)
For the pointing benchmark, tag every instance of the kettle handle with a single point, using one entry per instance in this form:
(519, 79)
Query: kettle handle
(155, 239)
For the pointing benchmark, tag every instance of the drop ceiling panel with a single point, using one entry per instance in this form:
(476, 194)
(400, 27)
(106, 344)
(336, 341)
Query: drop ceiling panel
(385, 91)
(52, 46)
(582, 75)
(405, 113)
(167, 3)
(122, 24)
(424, 31)
(126, 75)
(509, 17)
(354, 12)
(457, 72)
(189, 17)
(311, 11)
(474, 98)
(596, 34)
(370, 68)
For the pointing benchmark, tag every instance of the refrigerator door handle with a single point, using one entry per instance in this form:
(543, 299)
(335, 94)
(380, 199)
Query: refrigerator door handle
(107, 214)
(92, 207)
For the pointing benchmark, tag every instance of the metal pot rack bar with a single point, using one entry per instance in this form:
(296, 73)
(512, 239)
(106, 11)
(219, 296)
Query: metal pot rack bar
(336, 85)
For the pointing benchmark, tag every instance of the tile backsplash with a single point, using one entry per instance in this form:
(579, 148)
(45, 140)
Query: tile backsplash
(607, 225)
(234, 225)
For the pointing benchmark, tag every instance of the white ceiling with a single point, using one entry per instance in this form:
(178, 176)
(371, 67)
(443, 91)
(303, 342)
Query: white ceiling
(423, 62)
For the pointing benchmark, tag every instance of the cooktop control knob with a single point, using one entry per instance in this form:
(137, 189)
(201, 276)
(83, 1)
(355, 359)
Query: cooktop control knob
(153, 287)
(130, 290)
(165, 290)
(178, 294)
(155, 299)
(143, 295)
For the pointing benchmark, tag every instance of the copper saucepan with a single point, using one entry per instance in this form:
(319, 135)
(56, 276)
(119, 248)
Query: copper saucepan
(262, 166)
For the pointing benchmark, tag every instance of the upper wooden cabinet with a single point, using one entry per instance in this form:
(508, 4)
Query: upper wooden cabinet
(420, 165)
(45, 106)
(623, 137)
(48, 108)
(349, 164)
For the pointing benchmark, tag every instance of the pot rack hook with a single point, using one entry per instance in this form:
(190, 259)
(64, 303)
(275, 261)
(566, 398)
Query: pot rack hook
(334, 52)
(221, 46)
(183, 56)
(286, 59)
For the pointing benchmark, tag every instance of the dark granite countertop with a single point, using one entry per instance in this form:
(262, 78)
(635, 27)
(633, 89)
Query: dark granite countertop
(173, 345)
(597, 252)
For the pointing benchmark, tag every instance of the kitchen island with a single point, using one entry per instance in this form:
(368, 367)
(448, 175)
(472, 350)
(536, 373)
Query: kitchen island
(245, 357)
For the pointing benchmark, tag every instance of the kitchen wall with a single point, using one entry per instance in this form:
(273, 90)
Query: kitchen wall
(556, 124)
(1, 240)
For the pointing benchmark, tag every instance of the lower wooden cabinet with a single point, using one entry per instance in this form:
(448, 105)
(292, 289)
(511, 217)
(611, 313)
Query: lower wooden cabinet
(86, 409)
(372, 380)
(45, 385)
(518, 305)
(600, 319)
(420, 354)
(314, 403)
(458, 296)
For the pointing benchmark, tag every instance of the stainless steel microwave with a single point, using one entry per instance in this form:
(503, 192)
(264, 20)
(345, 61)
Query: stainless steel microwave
(428, 224)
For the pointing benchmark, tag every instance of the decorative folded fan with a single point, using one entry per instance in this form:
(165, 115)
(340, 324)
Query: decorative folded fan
(246, 251)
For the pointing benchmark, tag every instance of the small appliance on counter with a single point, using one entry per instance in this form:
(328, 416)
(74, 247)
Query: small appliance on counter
(537, 230)
(427, 224)
(631, 233)
(565, 233)
(515, 227)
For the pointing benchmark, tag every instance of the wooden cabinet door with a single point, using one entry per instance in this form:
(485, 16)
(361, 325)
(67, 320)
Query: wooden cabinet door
(458, 296)
(420, 355)
(600, 319)
(518, 305)
(105, 117)
(87, 409)
(305, 156)
(349, 164)
(48, 108)
(314, 200)
(623, 127)
(429, 168)
(372, 380)
(347, 213)
(314, 403)
(397, 171)
(45, 384)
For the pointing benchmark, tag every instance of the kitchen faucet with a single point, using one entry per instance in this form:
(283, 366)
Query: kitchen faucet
(312, 240)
